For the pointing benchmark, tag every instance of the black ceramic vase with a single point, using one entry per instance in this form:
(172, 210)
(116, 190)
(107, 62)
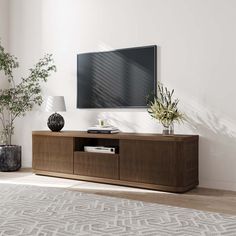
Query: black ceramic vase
(10, 157)
(55, 122)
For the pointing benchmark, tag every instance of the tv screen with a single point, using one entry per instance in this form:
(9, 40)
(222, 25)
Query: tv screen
(121, 78)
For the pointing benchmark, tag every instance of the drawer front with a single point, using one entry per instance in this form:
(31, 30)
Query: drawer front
(53, 154)
(96, 165)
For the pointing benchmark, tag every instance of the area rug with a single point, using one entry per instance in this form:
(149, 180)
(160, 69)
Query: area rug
(31, 210)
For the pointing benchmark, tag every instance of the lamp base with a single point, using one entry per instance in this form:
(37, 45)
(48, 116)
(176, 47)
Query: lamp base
(55, 122)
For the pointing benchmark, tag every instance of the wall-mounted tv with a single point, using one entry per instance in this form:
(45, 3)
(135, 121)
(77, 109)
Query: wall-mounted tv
(120, 78)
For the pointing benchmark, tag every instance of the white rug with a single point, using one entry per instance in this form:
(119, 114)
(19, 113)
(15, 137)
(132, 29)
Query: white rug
(31, 210)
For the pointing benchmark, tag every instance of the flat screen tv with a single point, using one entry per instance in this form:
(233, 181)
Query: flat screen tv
(120, 78)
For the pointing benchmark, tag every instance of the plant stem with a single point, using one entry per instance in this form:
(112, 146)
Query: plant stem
(10, 128)
(3, 121)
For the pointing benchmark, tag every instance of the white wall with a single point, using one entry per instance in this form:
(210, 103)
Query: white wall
(4, 15)
(196, 56)
(4, 23)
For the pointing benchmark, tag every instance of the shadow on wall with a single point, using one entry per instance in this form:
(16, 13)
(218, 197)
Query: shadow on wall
(125, 120)
(217, 144)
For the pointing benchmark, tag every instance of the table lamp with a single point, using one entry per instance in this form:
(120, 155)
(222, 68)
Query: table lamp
(55, 121)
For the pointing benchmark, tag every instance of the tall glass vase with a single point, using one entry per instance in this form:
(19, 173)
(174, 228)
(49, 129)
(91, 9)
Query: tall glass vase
(168, 129)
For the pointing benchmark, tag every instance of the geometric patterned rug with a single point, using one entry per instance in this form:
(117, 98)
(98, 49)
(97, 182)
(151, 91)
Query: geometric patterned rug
(44, 211)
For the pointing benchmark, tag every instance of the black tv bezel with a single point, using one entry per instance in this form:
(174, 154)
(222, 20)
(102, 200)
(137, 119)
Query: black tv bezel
(121, 107)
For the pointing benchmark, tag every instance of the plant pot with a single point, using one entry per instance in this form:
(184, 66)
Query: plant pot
(10, 157)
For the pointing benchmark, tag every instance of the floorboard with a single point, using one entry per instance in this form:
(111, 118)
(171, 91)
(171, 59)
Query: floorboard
(200, 198)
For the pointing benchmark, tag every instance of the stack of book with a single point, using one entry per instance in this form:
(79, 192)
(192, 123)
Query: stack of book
(103, 130)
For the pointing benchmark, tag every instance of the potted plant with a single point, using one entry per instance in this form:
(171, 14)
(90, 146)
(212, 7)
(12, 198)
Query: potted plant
(16, 100)
(164, 109)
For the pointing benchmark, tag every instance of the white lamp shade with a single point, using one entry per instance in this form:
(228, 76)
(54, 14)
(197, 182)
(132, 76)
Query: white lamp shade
(55, 103)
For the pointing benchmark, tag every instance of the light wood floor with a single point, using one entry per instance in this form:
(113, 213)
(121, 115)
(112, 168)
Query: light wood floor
(199, 198)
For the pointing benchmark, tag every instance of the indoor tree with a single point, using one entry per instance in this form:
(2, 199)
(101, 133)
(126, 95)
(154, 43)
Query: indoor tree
(18, 98)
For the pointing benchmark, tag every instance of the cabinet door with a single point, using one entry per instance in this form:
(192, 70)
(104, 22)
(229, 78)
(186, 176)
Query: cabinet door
(151, 162)
(53, 154)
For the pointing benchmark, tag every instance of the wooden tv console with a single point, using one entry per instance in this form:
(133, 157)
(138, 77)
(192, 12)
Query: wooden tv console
(152, 161)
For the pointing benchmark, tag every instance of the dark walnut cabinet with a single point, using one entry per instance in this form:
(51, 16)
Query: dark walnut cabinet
(153, 161)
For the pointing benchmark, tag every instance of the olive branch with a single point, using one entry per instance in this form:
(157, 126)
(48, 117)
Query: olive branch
(17, 99)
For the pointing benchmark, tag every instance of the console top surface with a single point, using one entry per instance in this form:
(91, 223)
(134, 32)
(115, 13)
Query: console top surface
(121, 135)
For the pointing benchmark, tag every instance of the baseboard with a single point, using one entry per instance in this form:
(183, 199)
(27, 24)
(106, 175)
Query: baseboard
(221, 185)
(26, 169)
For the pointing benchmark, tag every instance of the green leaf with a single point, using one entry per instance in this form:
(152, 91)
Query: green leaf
(163, 108)
(20, 98)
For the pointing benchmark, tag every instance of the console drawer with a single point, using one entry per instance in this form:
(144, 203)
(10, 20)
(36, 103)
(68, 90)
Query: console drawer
(96, 164)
